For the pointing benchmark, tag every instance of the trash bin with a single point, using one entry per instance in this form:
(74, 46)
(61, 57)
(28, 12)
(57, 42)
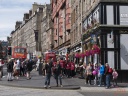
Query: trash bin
(40, 69)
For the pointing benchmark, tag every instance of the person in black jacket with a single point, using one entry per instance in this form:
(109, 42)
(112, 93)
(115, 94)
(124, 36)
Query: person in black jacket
(58, 73)
(29, 68)
(9, 69)
(48, 73)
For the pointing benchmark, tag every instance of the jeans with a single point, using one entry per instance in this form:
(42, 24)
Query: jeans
(9, 77)
(96, 80)
(47, 79)
(101, 79)
(108, 80)
(58, 77)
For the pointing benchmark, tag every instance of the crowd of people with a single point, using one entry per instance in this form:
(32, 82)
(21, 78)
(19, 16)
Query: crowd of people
(58, 69)
(94, 74)
(101, 75)
(19, 67)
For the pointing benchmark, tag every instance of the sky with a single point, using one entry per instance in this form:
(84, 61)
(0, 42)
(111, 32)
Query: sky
(12, 11)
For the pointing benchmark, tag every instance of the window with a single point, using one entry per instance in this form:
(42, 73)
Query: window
(56, 31)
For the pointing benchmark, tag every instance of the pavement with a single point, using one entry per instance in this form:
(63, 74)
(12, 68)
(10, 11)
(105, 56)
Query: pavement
(37, 82)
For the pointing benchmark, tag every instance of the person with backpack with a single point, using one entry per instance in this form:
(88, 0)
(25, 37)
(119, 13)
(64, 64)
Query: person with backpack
(108, 73)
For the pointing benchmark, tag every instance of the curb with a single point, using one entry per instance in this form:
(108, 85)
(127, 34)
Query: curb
(52, 87)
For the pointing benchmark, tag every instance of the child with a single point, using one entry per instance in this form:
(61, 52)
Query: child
(115, 75)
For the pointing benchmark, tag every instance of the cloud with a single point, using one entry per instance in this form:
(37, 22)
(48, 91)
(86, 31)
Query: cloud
(12, 11)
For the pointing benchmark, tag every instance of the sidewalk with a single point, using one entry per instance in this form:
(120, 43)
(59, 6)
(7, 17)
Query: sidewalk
(37, 81)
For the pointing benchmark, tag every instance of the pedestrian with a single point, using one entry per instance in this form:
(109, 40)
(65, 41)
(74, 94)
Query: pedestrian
(43, 67)
(72, 69)
(22, 67)
(95, 73)
(115, 75)
(9, 70)
(29, 64)
(88, 74)
(81, 69)
(48, 72)
(1, 68)
(108, 73)
(62, 63)
(68, 69)
(58, 73)
(101, 73)
(16, 69)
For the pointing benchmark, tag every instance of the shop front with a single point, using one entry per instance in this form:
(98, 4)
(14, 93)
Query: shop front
(105, 36)
(75, 52)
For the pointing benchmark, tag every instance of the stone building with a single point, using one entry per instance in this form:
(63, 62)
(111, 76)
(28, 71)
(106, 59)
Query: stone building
(61, 16)
(76, 25)
(46, 29)
(27, 33)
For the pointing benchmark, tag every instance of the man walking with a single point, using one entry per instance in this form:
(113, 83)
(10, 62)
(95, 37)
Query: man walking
(102, 71)
(58, 73)
(48, 73)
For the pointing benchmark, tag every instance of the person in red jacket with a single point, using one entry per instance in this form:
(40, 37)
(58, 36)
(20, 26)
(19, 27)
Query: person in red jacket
(68, 68)
(72, 68)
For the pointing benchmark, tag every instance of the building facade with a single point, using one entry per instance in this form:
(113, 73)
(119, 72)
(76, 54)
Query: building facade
(46, 29)
(76, 25)
(61, 16)
(105, 30)
(28, 32)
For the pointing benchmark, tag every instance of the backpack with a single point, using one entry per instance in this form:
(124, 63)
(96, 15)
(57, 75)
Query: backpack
(110, 70)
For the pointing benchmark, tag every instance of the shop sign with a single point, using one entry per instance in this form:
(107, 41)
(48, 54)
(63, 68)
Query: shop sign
(93, 39)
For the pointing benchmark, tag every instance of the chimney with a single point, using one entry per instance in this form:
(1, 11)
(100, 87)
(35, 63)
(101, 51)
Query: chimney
(18, 23)
(35, 6)
(30, 13)
(26, 17)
